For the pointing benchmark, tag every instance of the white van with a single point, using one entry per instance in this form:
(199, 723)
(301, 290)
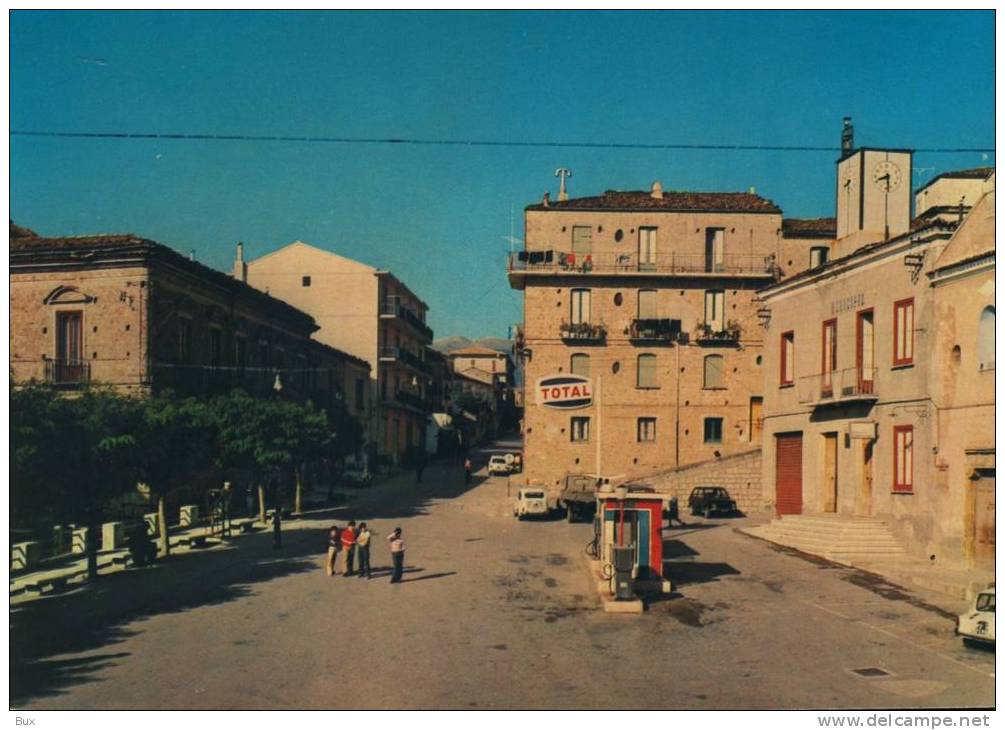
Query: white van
(531, 501)
(977, 626)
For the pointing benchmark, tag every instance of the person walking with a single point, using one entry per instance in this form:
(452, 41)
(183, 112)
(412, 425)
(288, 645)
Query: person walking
(363, 551)
(397, 555)
(333, 546)
(467, 470)
(348, 548)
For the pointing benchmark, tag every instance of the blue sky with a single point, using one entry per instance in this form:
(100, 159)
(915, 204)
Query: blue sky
(438, 216)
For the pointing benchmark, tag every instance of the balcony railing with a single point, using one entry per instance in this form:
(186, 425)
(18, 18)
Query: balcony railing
(673, 263)
(708, 334)
(655, 331)
(393, 308)
(68, 372)
(839, 386)
(412, 400)
(582, 332)
(400, 354)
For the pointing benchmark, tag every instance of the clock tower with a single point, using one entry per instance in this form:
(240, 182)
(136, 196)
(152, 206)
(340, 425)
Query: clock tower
(873, 195)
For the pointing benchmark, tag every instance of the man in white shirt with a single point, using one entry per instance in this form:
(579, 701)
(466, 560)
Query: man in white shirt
(397, 554)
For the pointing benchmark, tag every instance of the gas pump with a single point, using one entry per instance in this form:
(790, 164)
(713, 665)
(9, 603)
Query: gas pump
(629, 532)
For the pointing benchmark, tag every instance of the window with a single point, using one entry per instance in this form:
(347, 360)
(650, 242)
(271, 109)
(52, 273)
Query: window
(903, 332)
(715, 307)
(713, 430)
(69, 337)
(580, 365)
(828, 356)
(184, 340)
(240, 351)
(646, 430)
(647, 371)
(818, 256)
(580, 306)
(305, 281)
(647, 304)
(986, 340)
(715, 247)
(582, 239)
(903, 458)
(647, 249)
(788, 358)
(714, 371)
(864, 351)
(580, 428)
(215, 347)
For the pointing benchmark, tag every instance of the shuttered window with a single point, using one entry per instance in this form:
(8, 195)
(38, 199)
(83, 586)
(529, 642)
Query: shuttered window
(647, 304)
(788, 358)
(903, 458)
(647, 371)
(580, 365)
(580, 306)
(715, 307)
(714, 371)
(582, 239)
(903, 332)
(579, 428)
(646, 429)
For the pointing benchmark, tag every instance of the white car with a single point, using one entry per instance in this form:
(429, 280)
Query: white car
(499, 465)
(977, 626)
(530, 502)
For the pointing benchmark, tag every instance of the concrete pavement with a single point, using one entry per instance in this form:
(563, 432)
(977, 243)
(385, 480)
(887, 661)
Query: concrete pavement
(493, 613)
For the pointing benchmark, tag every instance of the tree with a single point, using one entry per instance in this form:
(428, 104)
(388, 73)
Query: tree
(176, 441)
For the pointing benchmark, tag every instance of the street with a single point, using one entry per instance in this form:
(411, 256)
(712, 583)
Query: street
(492, 613)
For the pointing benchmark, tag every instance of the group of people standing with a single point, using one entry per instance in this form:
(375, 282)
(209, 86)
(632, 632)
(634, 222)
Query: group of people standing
(354, 544)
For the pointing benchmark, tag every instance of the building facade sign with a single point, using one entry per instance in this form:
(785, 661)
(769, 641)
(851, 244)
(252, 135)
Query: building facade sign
(847, 303)
(565, 391)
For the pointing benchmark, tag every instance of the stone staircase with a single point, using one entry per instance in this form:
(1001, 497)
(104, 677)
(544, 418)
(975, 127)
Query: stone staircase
(845, 540)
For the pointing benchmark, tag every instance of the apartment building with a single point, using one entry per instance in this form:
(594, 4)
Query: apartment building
(878, 362)
(134, 314)
(647, 301)
(369, 313)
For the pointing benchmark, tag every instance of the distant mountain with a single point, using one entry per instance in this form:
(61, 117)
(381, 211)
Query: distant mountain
(456, 342)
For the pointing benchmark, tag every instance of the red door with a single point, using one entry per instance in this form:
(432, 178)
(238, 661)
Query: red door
(789, 474)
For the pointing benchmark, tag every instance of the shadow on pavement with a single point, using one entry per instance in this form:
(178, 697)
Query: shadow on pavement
(689, 573)
(429, 577)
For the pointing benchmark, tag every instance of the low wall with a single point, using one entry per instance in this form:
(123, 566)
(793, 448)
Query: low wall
(740, 474)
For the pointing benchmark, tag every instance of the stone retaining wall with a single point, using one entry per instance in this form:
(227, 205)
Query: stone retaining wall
(740, 474)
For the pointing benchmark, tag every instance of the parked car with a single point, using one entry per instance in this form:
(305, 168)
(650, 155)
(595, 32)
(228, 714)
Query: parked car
(530, 502)
(499, 464)
(710, 501)
(977, 626)
(357, 475)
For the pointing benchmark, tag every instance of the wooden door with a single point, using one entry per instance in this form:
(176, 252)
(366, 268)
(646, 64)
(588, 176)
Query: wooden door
(863, 505)
(789, 474)
(984, 521)
(830, 472)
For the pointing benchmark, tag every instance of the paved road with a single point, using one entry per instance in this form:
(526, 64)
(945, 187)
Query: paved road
(493, 613)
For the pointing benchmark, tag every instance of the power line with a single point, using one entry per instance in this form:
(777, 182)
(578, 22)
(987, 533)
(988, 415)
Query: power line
(184, 136)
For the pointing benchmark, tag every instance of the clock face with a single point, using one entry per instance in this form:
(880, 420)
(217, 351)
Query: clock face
(848, 180)
(886, 176)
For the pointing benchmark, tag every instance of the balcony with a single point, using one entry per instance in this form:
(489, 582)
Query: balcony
(839, 387)
(68, 373)
(412, 400)
(583, 332)
(391, 308)
(711, 336)
(655, 331)
(400, 354)
(521, 264)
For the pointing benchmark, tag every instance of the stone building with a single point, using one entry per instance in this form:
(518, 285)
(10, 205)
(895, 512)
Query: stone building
(650, 296)
(134, 314)
(871, 357)
(369, 313)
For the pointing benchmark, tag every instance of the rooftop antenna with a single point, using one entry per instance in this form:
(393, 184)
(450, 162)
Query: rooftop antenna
(562, 173)
(513, 240)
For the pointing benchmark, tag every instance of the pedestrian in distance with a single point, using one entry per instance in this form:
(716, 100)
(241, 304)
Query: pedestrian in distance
(348, 548)
(467, 470)
(397, 555)
(333, 546)
(363, 551)
(673, 513)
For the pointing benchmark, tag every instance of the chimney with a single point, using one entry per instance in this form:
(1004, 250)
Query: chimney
(240, 267)
(191, 254)
(847, 136)
(546, 199)
(656, 191)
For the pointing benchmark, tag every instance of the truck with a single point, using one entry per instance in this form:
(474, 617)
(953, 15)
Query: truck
(577, 494)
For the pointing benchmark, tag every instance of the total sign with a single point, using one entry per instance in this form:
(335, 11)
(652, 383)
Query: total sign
(564, 391)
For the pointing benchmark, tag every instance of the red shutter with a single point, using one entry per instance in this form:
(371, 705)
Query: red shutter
(789, 474)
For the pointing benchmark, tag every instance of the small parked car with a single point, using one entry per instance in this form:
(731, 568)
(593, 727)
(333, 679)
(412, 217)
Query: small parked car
(977, 626)
(498, 464)
(530, 502)
(357, 475)
(710, 501)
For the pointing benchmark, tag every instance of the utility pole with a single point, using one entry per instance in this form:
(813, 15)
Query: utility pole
(600, 382)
